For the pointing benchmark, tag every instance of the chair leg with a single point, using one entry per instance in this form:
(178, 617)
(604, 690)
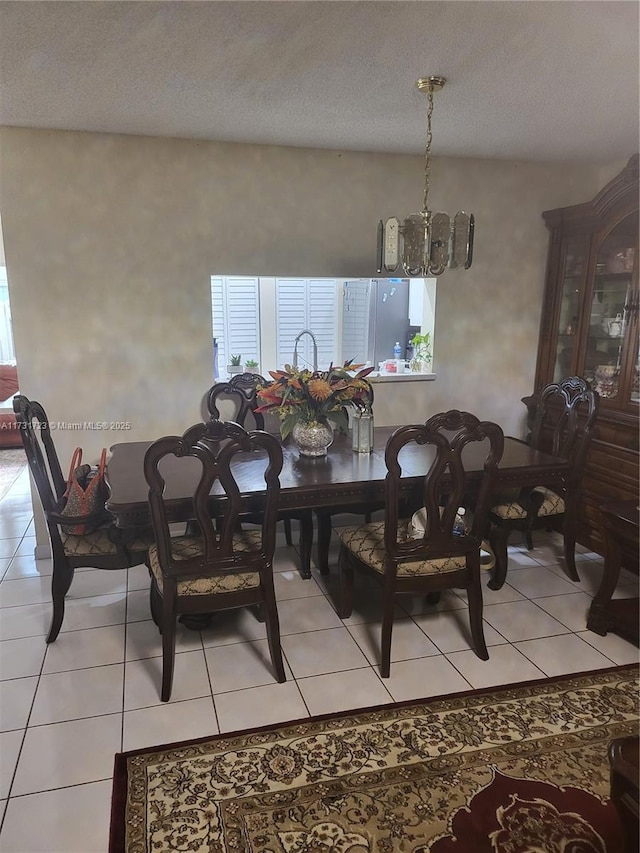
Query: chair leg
(60, 583)
(474, 593)
(155, 604)
(498, 541)
(345, 607)
(569, 547)
(287, 531)
(324, 541)
(306, 541)
(529, 538)
(168, 642)
(387, 626)
(273, 631)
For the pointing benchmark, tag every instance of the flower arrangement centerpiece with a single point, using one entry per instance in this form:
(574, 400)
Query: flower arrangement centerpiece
(311, 399)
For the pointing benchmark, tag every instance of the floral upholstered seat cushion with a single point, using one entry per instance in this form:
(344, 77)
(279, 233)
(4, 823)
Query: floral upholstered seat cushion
(552, 504)
(89, 544)
(367, 544)
(419, 522)
(187, 547)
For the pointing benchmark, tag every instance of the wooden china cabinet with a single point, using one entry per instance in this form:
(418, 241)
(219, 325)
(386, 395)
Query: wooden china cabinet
(589, 328)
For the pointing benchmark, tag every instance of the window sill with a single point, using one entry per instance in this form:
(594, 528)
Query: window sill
(401, 377)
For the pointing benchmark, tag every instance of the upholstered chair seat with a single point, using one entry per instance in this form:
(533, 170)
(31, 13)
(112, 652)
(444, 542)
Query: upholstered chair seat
(552, 504)
(366, 543)
(89, 544)
(190, 547)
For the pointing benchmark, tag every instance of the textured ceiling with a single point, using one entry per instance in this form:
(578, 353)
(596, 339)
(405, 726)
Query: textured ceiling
(526, 80)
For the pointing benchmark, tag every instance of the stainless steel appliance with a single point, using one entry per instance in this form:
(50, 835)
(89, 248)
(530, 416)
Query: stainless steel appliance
(375, 314)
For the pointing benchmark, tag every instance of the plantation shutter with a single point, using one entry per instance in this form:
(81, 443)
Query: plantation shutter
(355, 320)
(291, 319)
(235, 307)
(322, 319)
(306, 304)
(217, 322)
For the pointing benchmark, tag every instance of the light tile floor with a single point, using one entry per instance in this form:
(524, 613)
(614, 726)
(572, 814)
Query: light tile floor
(67, 708)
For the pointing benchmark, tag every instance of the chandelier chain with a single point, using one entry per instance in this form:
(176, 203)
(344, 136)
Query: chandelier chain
(427, 153)
(426, 244)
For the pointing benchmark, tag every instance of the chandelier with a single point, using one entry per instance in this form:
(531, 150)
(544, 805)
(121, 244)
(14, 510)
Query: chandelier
(426, 243)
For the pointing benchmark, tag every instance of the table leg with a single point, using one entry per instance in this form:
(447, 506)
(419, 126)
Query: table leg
(597, 620)
(306, 541)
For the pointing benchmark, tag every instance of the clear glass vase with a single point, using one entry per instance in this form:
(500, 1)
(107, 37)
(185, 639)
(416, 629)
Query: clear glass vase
(313, 438)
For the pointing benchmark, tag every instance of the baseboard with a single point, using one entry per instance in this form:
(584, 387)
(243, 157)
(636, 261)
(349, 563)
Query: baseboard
(42, 552)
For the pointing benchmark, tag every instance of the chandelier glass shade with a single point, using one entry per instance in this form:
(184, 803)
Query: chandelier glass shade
(426, 244)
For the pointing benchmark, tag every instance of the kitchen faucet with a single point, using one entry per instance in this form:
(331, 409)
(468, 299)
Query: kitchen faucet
(315, 349)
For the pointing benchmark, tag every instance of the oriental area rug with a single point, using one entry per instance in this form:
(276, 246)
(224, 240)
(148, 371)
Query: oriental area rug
(513, 769)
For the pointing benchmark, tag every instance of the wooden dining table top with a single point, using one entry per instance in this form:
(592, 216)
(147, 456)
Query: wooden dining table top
(342, 477)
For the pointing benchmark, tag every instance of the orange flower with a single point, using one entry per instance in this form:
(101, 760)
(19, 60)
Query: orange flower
(278, 374)
(271, 394)
(303, 396)
(319, 389)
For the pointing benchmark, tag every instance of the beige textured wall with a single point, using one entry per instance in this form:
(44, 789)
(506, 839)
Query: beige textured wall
(110, 241)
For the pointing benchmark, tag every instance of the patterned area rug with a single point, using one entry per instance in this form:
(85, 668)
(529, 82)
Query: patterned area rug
(12, 463)
(515, 769)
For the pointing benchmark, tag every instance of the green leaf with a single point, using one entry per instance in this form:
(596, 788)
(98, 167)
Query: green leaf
(341, 420)
(287, 424)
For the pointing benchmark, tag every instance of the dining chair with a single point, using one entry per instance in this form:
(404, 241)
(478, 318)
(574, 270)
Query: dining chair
(107, 547)
(401, 559)
(564, 417)
(220, 567)
(241, 391)
(325, 514)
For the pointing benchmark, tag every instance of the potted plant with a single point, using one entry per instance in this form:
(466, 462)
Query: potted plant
(235, 365)
(310, 404)
(421, 360)
(251, 366)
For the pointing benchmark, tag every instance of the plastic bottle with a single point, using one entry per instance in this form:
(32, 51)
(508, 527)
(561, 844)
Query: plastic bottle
(459, 527)
(397, 350)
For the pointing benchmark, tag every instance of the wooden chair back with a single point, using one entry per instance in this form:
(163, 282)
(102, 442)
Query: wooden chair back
(564, 422)
(42, 456)
(217, 445)
(242, 390)
(444, 487)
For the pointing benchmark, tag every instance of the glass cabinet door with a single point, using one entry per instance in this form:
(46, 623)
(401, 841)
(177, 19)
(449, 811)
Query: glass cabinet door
(609, 334)
(571, 297)
(635, 376)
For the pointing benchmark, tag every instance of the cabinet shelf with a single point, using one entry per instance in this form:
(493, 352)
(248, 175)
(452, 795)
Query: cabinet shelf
(614, 276)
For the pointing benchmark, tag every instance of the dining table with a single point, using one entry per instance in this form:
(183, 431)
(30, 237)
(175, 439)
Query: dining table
(341, 478)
